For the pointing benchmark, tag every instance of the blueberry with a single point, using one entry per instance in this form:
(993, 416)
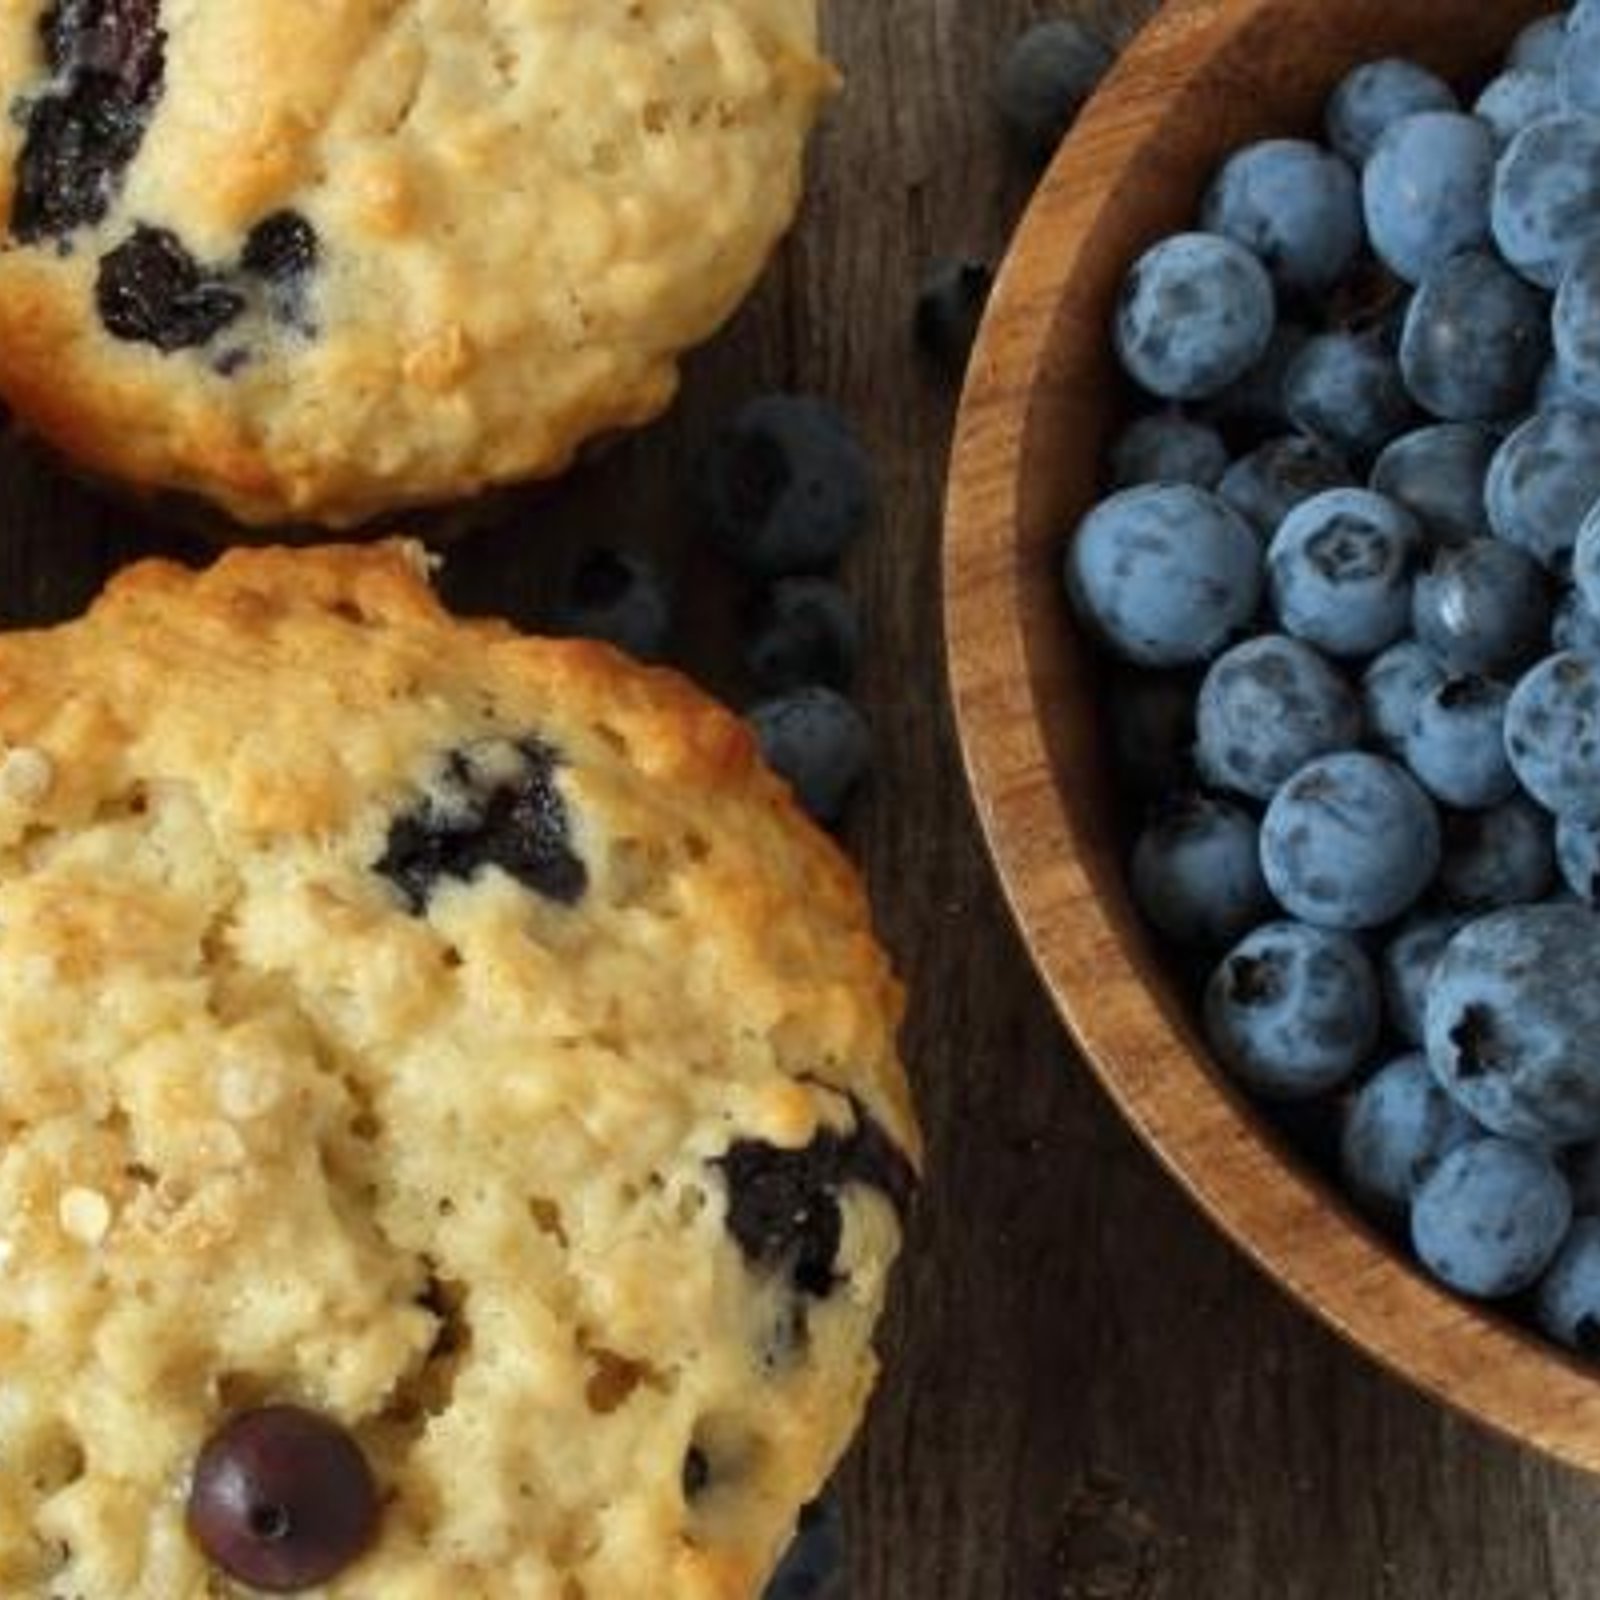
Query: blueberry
(1583, 19)
(494, 804)
(1268, 483)
(1347, 389)
(1577, 307)
(1547, 196)
(1476, 340)
(84, 130)
(1490, 1218)
(813, 1566)
(1265, 709)
(1351, 841)
(1543, 480)
(1586, 561)
(1538, 47)
(1426, 190)
(1574, 626)
(1556, 388)
(1197, 873)
(617, 596)
(783, 1204)
(818, 743)
(1397, 1129)
(1196, 312)
(1253, 404)
(1044, 80)
(786, 486)
(1168, 447)
(1340, 569)
(1500, 856)
(1295, 205)
(1515, 100)
(283, 1500)
(1577, 73)
(1293, 1011)
(1407, 966)
(950, 307)
(280, 248)
(1392, 689)
(150, 290)
(1166, 574)
(1568, 1302)
(1553, 735)
(1438, 473)
(1374, 97)
(1456, 744)
(806, 630)
(1512, 1016)
(1151, 717)
(1483, 606)
(1578, 854)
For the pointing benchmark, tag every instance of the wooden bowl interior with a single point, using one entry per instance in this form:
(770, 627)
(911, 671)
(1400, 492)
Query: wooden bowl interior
(1043, 397)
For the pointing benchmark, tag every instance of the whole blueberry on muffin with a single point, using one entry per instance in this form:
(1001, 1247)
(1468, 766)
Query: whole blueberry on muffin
(455, 1140)
(313, 261)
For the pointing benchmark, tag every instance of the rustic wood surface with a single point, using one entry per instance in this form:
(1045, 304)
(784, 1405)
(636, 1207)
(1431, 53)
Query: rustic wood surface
(1090, 1396)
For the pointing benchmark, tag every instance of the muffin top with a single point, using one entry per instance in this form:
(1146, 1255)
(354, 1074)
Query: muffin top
(320, 258)
(453, 1046)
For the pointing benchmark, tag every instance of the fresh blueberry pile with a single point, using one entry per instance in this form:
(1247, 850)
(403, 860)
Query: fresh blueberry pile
(1347, 574)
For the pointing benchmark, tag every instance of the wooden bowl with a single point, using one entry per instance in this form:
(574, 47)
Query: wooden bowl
(1207, 76)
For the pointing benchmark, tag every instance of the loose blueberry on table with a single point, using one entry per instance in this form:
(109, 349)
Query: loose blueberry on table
(1347, 578)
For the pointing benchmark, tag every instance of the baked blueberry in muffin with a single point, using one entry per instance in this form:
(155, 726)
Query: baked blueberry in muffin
(455, 1140)
(314, 261)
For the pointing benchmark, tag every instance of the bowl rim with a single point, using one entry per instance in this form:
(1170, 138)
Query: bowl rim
(1006, 688)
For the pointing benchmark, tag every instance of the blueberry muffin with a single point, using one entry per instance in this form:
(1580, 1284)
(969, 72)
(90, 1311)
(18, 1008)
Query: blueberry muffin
(315, 260)
(454, 1138)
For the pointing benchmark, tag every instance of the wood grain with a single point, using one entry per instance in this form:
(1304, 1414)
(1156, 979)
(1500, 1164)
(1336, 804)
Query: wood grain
(1090, 1395)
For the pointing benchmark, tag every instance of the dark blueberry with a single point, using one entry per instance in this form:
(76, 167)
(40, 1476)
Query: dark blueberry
(1397, 1129)
(1490, 1217)
(1351, 841)
(813, 1566)
(152, 291)
(283, 1500)
(1375, 96)
(1553, 735)
(950, 307)
(1044, 80)
(1196, 873)
(1503, 855)
(1266, 708)
(620, 597)
(1252, 406)
(497, 805)
(787, 486)
(1166, 574)
(1347, 390)
(1293, 1010)
(281, 247)
(805, 630)
(1568, 1302)
(1575, 626)
(783, 1205)
(1407, 968)
(1578, 855)
(1393, 687)
(818, 743)
(1543, 481)
(1476, 340)
(1168, 447)
(1266, 485)
(83, 130)
(1513, 1013)
(1438, 473)
(1483, 606)
(1456, 744)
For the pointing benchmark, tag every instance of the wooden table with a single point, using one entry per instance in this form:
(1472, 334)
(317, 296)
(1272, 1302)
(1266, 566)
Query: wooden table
(1090, 1397)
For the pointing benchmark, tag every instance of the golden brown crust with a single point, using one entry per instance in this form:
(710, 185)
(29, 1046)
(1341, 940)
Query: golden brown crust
(255, 1102)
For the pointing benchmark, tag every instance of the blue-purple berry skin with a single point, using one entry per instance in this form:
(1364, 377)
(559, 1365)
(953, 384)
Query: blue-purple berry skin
(1546, 202)
(1567, 1305)
(813, 1567)
(1517, 99)
(1575, 625)
(1350, 842)
(1167, 574)
(1553, 734)
(1043, 81)
(1456, 745)
(621, 598)
(1438, 473)
(1398, 1127)
(1293, 1011)
(1578, 855)
(1168, 447)
(1577, 340)
(819, 743)
(1513, 1012)
(1265, 485)
(1427, 189)
(804, 631)
(1393, 687)
(1538, 47)
(1375, 96)
(1347, 389)
(1196, 873)
(1543, 481)
(1196, 312)
(1406, 967)
(1497, 856)
(1266, 708)
(1490, 1217)
(1482, 607)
